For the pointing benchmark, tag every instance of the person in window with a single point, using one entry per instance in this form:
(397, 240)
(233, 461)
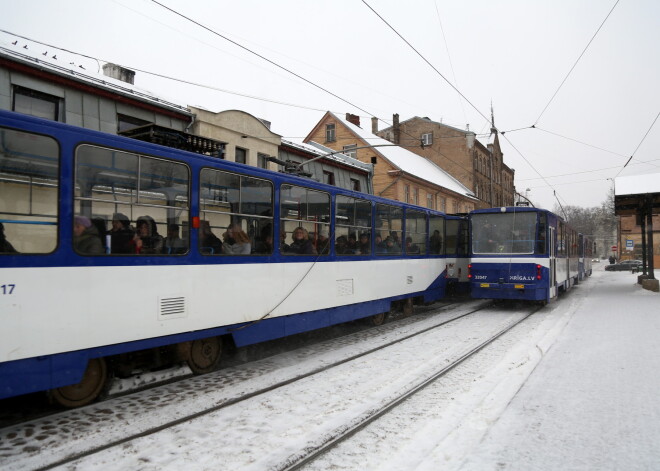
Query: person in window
(341, 247)
(208, 242)
(488, 238)
(323, 243)
(436, 242)
(391, 246)
(410, 247)
(284, 247)
(5, 245)
(236, 241)
(173, 243)
(121, 235)
(86, 237)
(364, 245)
(352, 243)
(147, 240)
(381, 247)
(301, 244)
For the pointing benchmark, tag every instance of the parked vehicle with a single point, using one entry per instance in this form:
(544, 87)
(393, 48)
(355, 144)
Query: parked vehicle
(624, 266)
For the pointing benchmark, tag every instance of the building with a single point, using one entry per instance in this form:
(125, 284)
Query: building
(323, 164)
(477, 166)
(248, 139)
(399, 174)
(40, 85)
(43, 85)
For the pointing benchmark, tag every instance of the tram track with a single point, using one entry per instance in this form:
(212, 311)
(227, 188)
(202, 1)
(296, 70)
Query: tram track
(74, 453)
(310, 455)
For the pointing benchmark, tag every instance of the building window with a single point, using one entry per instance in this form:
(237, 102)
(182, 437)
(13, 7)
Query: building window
(34, 103)
(355, 185)
(328, 177)
(351, 150)
(262, 160)
(241, 156)
(441, 205)
(406, 193)
(427, 139)
(330, 133)
(124, 123)
(416, 196)
(429, 201)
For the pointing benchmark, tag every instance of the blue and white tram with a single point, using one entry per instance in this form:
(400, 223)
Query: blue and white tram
(112, 246)
(521, 253)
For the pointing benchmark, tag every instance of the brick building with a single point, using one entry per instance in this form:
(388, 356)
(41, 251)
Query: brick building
(479, 167)
(399, 174)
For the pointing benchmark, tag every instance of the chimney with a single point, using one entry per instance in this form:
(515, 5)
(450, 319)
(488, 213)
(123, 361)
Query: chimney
(352, 118)
(396, 128)
(374, 125)
(119, 73)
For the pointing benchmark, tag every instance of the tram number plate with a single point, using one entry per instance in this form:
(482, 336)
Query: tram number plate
(519, 286)
(484, 285)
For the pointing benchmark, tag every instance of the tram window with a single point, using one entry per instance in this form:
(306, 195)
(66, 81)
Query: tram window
(133, 201)
(353, 226)
(29, 169)
(237, 209)
(415, 233)
(541, 235)
(304, 221)
(504, 233)
(389, 225)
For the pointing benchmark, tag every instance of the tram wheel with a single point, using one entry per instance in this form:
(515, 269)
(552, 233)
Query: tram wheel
(377, 319)
(202, 355)
(88, 389)
(407, 307)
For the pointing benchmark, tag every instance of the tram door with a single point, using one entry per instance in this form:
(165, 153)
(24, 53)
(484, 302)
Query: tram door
(553, 262)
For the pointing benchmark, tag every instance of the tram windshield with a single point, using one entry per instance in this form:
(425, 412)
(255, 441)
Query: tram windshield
(503, 233)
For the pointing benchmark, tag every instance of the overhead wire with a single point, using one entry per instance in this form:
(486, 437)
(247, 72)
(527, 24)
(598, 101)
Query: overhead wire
(576, 63)
(454, 87)
(639, 145)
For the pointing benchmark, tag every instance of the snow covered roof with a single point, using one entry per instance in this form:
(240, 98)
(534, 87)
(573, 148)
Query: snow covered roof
(75, 67)
(637, 184)
(318, 150)
(407, 161)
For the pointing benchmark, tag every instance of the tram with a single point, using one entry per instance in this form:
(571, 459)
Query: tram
(521, 253)
(112, 255)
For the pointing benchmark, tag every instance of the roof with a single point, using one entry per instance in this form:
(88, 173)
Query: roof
(320, 150)
(407, 161)
(637, 184)
(77, 68)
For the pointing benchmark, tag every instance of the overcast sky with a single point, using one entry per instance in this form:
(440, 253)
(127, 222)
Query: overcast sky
(514, 54)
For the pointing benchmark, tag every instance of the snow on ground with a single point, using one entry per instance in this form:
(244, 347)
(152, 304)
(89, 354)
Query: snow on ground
(593, 402)
(574, 388)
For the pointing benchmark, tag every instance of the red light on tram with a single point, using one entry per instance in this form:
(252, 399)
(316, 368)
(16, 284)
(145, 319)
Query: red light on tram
(195, 222)
(538, 272)
(469, 271)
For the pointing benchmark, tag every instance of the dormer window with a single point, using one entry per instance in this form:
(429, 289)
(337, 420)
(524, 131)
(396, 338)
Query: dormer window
(330, 133)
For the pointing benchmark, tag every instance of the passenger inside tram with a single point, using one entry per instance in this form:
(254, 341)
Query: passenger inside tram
(5, 245)
(86, 237)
